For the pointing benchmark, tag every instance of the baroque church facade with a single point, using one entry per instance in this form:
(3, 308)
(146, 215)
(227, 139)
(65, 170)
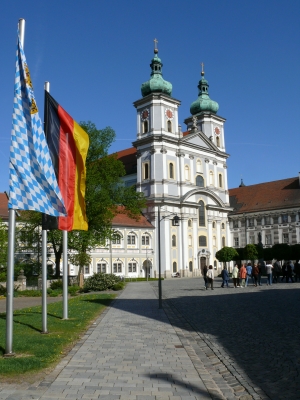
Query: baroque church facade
(182, 174)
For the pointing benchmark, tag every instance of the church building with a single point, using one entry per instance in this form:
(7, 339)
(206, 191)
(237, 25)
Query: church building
(182, 175)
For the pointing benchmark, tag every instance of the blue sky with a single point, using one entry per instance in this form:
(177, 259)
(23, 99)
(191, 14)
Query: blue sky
(96, 55)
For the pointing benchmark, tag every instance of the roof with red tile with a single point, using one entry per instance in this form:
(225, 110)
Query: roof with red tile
(3, 207)
(268, 196)
(128, 158)
(122, 219)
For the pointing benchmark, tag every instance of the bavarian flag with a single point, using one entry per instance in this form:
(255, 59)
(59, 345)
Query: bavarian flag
(68, 145)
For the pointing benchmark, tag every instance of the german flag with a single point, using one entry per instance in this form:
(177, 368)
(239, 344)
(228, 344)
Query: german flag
(68, 145)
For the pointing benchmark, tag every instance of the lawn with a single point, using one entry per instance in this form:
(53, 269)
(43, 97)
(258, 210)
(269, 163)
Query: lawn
(35, 351)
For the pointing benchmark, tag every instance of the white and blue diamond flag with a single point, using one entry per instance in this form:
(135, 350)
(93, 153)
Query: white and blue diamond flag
(32, 181)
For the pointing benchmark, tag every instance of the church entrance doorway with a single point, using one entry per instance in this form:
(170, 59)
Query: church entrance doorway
(147, 265)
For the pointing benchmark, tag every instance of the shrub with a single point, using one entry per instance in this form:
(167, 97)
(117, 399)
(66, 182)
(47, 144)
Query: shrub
(58, 284)
(30, 293)
(2, 290)
(118, 286)
(100, 281)
(73, 290)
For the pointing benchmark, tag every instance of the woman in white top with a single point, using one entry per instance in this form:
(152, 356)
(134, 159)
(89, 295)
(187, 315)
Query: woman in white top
(235, 275)
(210, 277)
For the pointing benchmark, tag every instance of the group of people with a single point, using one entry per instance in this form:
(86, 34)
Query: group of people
(241, 275)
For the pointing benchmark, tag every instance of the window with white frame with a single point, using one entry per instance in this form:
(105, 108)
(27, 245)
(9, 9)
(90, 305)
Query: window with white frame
(190, 241)
(191, 266)
(171, 171)
(201, 213)
(284, 218)
(169, 124)
(187, 173)
(223, 225)
(173, 240)
(236, 242)
(145, 126)
(268, 238)
(174, 266)
(214, 241)
(101, 267)
(267, 220)
(202, 240)
(145, 240)
(146, 171)
(252, 239)
(132, 267)
(86, 269)
(189, 223)
(130, 239)
(211, 178)
(199, 181)
(223, 241)
(250, 222)
(117, 267)
(218, 141)
(220, 181)
(198, 166)
(235, 223)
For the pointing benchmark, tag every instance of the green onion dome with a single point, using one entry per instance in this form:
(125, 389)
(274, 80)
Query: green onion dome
(203, 103)
(156, 83)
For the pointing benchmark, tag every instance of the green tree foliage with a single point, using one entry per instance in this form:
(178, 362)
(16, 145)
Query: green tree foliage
(240, 255)
(104, 193)
(250, 252)
(226, 254)
(281, 251)
(295, 252)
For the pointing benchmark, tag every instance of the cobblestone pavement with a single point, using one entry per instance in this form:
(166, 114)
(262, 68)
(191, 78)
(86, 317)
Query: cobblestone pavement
(247, 338)
(222, 344)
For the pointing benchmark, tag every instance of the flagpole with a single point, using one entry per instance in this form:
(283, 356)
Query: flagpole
(65, 274)
(11, 255)
(44, 261)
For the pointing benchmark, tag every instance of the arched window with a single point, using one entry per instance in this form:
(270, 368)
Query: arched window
(146, 171)
(218, 141)
(116, 239)
(220, 180)
(145, 127)
(223, 241)
(191, 266)
(201, 213)
(169, 124)
(190, 241)
(198, 166)
(174, 266)
(199, 181)
(213, 224)
(202, 240)
(223, 225)
(187, 173)
(211, 178)
(189, 223)
(173, 240)
(171, 171)
(214, 241)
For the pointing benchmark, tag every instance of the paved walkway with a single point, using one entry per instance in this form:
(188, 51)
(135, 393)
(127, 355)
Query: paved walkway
(203, 345)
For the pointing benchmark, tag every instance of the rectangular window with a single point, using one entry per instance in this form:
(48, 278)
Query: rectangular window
(251, 239)
(223, 241)
(267, 220)
(258, 221)
(116, 239)
(130, 239)
(285, 238)
(251, 222)
(87, 269)
(145, 240)
(275, 220)
(293, 218)
(101, 268)
(132, 267)
(284, 218)
(235, 223)
(236, 242)
(117, 267)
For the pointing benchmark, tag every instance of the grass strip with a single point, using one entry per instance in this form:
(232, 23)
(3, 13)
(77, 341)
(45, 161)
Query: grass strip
(35, 351)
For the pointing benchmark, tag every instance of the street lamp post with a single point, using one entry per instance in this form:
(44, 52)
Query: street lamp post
(175, 222)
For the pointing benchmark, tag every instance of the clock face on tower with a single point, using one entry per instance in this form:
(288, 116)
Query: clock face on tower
(217, 131)
(169, 113)
(145, 114)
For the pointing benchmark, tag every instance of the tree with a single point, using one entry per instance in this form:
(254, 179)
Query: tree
(240, 255)
(226, 254)
(250, 252)
(281, 251)
(295, 252)
(268, 253)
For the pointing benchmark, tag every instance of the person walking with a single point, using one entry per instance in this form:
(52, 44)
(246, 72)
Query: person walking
(289, 272)
(234, 275)
(249, 273)
(205, 276)
(210, 277)
(225, 276)
(269, 268)
(243, 274)
(283, 272)
(255, 274)
(276, 271)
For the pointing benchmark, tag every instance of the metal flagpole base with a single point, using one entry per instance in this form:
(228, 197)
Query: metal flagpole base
(9, 355)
